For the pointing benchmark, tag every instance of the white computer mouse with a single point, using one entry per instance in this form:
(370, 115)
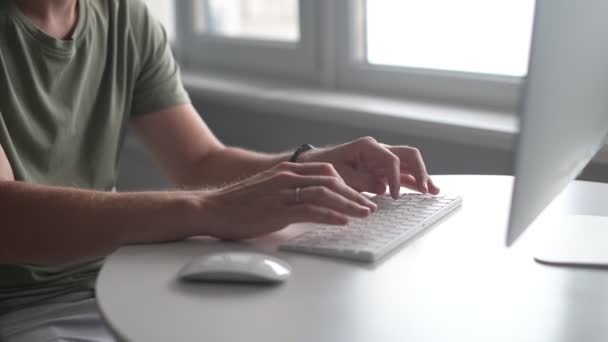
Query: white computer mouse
(246, 267)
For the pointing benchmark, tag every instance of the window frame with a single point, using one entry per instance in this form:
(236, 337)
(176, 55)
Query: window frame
(331, 56)
(273, 59)
(464, 88)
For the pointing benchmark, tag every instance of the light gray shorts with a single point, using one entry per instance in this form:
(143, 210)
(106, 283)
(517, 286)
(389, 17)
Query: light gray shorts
(73, 317)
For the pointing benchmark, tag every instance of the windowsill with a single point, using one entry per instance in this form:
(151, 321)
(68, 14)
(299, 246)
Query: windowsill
(469, 126)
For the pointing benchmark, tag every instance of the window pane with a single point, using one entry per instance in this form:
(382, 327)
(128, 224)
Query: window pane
(482, 36)
(250, 19)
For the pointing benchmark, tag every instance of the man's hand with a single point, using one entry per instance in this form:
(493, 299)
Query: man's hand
(269, 201)
(367, 165)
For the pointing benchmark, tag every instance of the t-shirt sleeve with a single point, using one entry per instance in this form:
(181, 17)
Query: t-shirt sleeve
(158, 84)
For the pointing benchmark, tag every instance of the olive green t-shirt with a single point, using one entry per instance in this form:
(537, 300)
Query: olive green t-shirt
(64, 109)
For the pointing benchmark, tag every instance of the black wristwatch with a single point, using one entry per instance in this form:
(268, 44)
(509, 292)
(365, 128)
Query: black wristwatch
(299, 151)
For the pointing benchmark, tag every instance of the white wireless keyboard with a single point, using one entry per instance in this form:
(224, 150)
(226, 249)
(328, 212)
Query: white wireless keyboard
(369, 239)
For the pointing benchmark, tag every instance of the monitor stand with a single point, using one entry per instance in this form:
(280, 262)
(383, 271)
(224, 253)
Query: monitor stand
(577, 240)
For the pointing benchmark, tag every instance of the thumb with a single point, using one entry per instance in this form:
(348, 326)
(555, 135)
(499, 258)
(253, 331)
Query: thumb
(363, 181)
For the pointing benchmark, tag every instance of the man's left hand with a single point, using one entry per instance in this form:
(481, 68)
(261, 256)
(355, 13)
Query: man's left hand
(367, 165)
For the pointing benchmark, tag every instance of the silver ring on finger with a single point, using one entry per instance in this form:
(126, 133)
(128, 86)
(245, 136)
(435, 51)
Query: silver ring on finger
(297, 194)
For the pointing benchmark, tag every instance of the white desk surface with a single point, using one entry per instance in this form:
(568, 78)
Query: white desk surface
(454, 282)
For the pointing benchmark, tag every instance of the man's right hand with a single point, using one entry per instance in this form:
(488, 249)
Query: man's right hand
(269, 201)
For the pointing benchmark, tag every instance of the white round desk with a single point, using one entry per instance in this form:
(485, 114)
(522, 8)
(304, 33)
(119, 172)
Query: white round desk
(454, 282)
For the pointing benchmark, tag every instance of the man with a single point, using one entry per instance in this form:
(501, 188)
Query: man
(74, 75)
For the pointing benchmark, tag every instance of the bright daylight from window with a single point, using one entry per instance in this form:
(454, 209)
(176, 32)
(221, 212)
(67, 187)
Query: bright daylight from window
(249, 19)
(480, 36)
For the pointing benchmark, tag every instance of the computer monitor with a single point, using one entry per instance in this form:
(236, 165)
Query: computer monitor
(563, 123)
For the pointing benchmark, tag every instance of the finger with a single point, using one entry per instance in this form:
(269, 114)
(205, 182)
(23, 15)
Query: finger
(379, 188)
(410, 182)
(389, 163)
(315, 214)
(393, 173)
(412, 163)
(326, 198)
(378, 184)
(375, 185)
(364, 181)
(433, 189)
(333, 184)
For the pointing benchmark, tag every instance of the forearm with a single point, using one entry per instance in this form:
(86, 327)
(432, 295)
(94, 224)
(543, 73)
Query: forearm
(229, 164)
(51, 225)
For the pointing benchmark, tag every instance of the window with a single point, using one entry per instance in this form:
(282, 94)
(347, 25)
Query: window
(472, 52)
(249, 19)
(479, 36)
(382, 55)
(271, 38)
